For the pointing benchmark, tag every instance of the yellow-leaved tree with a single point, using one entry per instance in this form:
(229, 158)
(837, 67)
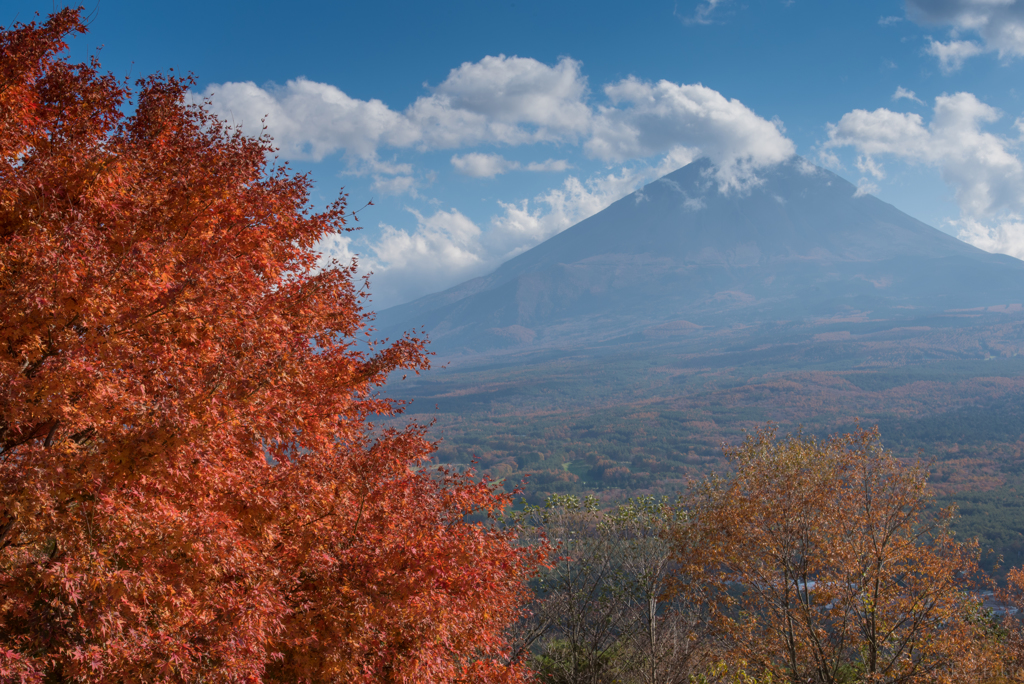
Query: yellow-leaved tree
(824, 562)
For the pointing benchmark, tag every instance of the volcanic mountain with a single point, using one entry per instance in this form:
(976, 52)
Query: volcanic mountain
(619, 356)
(681, 255)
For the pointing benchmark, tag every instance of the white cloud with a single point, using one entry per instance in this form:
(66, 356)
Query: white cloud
(310, 120)
(447, 239)
(953, 54)
(806, 168)
(999, 24)
(983, 169)
(335, 248)
(479, 165)
(510, 100)
(554, 165)
(442, 250)
(1005, 237)
(865, 187)
(508, 92)
(702, 13)
(389, 177)
(378, 167)
(889, 21)
(904, 94)
(521, 226)
(652, 118)
(866, 164)
(395, 185)
(677, 157)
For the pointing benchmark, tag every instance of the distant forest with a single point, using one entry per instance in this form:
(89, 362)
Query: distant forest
(641, 422)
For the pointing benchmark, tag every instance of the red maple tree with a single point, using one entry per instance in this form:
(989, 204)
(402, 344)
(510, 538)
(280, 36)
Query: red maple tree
(192, 486)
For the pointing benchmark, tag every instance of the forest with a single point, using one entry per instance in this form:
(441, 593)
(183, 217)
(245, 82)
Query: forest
(812, 561)
(209, 471)
(643, 421)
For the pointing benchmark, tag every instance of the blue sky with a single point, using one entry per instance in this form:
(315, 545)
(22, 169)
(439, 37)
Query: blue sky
(480, 128)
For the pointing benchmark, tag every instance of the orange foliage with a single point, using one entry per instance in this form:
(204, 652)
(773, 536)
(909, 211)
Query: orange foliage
(823, 564)
(1013, 600)
(191, 487)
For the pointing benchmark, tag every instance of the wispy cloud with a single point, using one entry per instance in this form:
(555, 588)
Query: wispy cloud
(865, 187)
(702, 12)
(445, 248)
(480, 165)
(549, 165)
(904, 94)
(395, 185)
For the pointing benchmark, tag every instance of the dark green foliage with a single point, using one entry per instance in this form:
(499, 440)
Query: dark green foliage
(996, 519)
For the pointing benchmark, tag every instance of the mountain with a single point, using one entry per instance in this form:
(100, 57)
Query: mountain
(679, 256)
(620, 355)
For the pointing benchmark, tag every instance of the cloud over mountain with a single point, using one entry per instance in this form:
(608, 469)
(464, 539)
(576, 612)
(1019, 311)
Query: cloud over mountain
(512, 101)
(676, 255)
(983, 169)
(495, 113)
(645, 119)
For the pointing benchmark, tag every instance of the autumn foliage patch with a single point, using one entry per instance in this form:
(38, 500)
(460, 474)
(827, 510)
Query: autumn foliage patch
(191, 487)
(823, 561)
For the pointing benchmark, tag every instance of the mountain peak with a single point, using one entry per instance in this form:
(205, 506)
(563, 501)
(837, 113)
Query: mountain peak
(800, 242)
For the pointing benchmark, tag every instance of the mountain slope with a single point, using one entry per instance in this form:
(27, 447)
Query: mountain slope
(679, 255)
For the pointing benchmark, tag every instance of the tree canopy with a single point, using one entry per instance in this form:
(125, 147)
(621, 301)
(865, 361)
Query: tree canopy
(825, 562)
(193, 488)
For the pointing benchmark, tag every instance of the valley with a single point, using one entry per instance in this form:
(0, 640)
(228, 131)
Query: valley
(671, 404)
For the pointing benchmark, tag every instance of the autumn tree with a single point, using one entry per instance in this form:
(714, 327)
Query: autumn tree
(192, 487)
(602, 610)
(827, 565)
(1010, 630)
